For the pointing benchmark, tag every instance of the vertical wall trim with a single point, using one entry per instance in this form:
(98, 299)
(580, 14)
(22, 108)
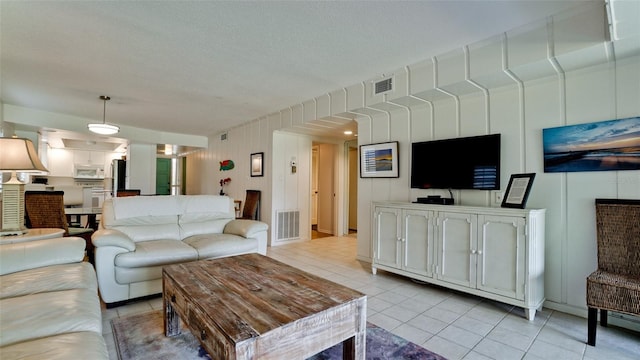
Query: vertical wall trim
(614, 95)
(411, 96)
(454, 96)
(562, 83)
(487, 102)
(521, 99)
(485, 91)
(409, 112)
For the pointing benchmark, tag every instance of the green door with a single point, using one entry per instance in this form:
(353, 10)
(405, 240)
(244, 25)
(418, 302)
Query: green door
(163, 176)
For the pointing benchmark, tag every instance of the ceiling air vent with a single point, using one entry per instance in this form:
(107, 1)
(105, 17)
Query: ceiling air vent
(223, 136)
(383, 86)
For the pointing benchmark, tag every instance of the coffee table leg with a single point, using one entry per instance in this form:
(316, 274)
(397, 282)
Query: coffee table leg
(348, 349)
(357, 345)
(171, 319)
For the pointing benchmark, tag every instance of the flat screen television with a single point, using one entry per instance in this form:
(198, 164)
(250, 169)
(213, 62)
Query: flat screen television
(459, 163)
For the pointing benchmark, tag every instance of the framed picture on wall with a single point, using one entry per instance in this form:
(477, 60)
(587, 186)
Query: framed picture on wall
(610, 145)
(257, 164)
(379, 160)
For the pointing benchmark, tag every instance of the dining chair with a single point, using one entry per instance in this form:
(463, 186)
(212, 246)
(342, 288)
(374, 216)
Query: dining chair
(127, 192)
(251, 208)
(615, 285)
(45, 209)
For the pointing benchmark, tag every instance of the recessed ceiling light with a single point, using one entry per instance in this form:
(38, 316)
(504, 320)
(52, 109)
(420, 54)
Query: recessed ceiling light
(348, 132)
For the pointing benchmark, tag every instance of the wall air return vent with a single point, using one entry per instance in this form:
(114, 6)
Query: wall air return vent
(383, 86)
(287, 224)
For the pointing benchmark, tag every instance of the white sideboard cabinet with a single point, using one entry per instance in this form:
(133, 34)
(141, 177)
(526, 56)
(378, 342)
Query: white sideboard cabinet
(495, 253)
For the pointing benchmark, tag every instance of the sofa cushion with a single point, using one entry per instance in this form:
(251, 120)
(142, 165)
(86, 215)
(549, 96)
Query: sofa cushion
(245, 228)
(127, 275)
(151, 231)
(76, 345)
(145, 206)
(32, 254)
(204, 214)
(205, 203)
(211, 246)
(156, 252)
(40, 315)
(142, 218)
(203, 223)
(49, 278)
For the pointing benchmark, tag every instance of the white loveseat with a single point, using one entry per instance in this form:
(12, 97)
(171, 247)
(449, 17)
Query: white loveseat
(139, 235)
(49, 305)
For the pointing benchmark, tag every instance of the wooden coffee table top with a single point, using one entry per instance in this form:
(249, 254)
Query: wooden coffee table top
(249, 295)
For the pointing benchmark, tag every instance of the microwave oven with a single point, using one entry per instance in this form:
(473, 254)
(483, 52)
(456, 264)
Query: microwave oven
(88, 172)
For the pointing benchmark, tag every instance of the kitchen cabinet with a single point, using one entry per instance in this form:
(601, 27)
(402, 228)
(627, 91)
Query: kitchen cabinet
(63, 162)
(60, 162)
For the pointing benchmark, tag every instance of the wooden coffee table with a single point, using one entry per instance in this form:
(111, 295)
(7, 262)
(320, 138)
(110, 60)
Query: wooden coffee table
(254, 307)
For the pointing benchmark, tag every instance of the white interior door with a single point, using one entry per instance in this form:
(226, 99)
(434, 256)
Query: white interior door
(314, 185)
(326, 192)
(353, 188)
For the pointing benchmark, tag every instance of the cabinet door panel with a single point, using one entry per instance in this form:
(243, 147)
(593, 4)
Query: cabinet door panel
(501, 251)
(457, 238)
(387, 247)
(60, 162)
(418, 241)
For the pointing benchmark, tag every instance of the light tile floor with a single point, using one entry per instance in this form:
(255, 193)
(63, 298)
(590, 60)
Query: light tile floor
(452, 324)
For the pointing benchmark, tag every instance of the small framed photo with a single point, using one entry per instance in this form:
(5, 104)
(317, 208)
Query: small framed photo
(257, 164)
(379, 160)
(518, 191)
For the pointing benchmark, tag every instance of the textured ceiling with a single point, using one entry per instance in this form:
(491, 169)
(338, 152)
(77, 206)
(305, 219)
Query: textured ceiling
(199, 67)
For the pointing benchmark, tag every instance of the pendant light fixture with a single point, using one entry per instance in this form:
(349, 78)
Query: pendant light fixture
(104, 128)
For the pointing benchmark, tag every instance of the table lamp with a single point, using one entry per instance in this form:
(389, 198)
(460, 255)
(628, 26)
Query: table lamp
(16, 155)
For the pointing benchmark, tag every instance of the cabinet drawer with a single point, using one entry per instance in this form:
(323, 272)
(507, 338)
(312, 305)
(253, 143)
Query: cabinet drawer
(176, 297)
(217, 345)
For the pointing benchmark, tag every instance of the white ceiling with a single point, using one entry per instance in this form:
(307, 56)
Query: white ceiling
(199, 67)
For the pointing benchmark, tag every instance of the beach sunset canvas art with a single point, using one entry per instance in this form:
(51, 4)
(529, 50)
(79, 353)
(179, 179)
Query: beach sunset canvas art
(598, 146)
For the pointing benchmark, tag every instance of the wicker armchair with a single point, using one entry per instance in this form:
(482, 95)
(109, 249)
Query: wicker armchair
(45, 209)
(615, 285)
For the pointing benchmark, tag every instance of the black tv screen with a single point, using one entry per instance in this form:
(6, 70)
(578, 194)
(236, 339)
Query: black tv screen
(459, 163)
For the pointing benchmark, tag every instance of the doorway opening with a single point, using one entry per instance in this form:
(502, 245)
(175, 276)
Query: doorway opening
(352, 186)
(170, 175)
(322, 190)
(334, 168)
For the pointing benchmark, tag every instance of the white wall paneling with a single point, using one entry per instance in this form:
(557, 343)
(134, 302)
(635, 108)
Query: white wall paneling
(323, 107)
(291, 191)
(400, 86)
(297, 115)
(143, 175)
(309, 112)
(339, 102)
(555, 72)
(355, 96)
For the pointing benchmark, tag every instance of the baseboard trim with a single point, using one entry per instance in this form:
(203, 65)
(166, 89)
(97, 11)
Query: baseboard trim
(616, 319)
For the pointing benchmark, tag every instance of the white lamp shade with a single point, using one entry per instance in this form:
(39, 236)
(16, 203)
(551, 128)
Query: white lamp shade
(103, 129)
(16, 155)
(19, 155)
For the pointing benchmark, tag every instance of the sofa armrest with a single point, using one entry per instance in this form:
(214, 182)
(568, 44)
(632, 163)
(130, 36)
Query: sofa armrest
(245, 228)
(110, 237)
(39, 253)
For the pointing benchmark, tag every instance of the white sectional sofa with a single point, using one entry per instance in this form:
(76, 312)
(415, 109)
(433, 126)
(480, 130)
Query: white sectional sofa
(49, 305)
(139, 235)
